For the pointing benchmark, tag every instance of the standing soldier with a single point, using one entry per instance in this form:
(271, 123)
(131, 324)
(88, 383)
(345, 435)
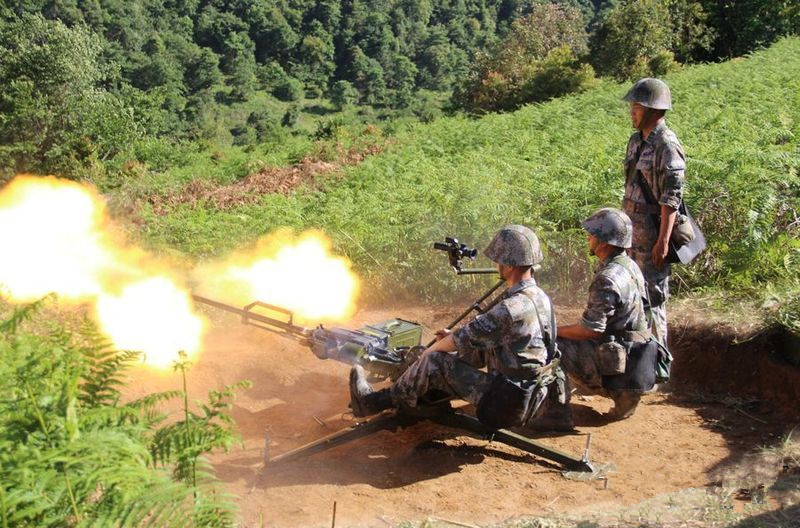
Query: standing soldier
(654, 179)
(514, 340)
(595, 352)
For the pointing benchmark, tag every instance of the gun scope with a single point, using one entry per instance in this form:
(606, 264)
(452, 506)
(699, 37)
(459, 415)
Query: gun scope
(455, 250)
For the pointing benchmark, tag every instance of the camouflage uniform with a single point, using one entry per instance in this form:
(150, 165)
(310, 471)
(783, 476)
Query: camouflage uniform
(662, 163)
(508, 339)
(615, 307)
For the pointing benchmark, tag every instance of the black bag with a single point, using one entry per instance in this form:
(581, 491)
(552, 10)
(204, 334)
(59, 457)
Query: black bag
(640, 369)
(505, 404)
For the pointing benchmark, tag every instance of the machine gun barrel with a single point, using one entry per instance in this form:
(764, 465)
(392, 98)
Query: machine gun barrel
(384, 349)
(300, 333)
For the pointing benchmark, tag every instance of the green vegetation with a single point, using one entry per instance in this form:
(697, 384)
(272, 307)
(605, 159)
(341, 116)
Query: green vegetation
(84, 80)
(537, 60)
(72, 453)
(549, 166)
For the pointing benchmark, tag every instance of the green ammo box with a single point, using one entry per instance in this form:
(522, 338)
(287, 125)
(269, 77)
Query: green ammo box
(399, 332)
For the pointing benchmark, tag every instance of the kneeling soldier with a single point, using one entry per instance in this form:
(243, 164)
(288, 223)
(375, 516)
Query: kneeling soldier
(597, 352)
(514, 340)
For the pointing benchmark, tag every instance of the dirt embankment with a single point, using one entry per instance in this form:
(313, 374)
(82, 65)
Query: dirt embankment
(717, 410)
(719, 358)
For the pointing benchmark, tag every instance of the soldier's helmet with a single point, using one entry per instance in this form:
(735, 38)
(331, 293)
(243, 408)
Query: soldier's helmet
(610, 225)
(650, 93)
(515, 245)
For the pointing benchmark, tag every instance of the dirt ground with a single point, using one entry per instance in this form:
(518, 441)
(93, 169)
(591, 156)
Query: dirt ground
(678, 439)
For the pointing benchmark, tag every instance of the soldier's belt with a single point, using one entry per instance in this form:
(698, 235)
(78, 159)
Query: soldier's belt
(641, 208)
(533, 375)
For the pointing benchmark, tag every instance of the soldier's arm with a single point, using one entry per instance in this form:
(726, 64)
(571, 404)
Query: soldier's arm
(602, 303)
(661, 246)
(673, 166)
(481, 334)
(445, 344)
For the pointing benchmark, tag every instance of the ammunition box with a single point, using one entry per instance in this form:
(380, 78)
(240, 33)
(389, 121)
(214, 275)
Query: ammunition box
(398, 333)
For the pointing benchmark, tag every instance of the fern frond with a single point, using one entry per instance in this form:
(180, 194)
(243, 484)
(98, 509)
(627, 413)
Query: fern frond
(22, 314)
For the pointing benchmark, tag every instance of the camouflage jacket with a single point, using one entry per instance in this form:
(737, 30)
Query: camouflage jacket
(616, 298)
(509, 338)
(662, 163)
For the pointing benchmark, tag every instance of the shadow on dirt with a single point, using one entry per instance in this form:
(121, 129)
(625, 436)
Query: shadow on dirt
(787, 518)
(291, 413)
(391, 460)
(742, 389)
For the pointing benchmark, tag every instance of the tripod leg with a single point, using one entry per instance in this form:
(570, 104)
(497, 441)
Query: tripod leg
(387, 422)
(468, 423)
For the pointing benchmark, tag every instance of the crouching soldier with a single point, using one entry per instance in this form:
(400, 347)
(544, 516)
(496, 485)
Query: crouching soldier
(514, 340)
(611, 351)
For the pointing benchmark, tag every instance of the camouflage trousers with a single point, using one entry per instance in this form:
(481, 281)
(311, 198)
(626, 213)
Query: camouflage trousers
(579, 361)
(442, 372)
(657, 279)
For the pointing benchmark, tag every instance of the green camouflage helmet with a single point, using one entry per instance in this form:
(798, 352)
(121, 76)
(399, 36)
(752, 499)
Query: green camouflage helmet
(515, 245)
(650, 93)
(610, 225)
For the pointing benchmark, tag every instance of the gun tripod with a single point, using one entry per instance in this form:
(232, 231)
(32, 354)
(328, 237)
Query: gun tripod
(443, 414)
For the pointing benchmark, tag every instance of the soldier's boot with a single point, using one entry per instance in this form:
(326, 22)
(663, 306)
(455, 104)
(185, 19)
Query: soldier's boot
(625, 403)
(554, 415)
(364, 401)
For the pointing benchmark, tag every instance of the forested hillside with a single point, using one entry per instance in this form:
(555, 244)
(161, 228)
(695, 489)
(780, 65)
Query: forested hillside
(84, 80)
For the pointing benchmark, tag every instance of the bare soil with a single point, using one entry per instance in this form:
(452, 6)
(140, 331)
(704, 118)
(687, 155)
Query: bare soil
(679, 438)
(267, 180)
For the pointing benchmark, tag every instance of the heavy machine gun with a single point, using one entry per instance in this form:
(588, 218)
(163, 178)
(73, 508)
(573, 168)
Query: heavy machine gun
(386, 350)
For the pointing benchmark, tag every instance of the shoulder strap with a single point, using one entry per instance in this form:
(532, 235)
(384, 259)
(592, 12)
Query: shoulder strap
(549, 337)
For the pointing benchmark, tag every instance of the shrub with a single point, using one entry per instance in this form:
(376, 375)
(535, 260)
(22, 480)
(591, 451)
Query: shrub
(291, 116)
(243, 135)
(288, 89)
(265, 125)
(559, 73)
(518, 69)
(343, 94)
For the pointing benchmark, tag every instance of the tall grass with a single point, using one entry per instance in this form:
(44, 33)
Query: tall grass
(549, 166)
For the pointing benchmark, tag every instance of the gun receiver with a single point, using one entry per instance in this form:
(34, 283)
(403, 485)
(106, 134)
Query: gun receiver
(385, 349)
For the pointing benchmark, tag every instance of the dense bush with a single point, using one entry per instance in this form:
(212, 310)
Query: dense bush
(537, 60)
(288, 89)
(342, 94)
(639, 38)
(744, 25)
(55, 114)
